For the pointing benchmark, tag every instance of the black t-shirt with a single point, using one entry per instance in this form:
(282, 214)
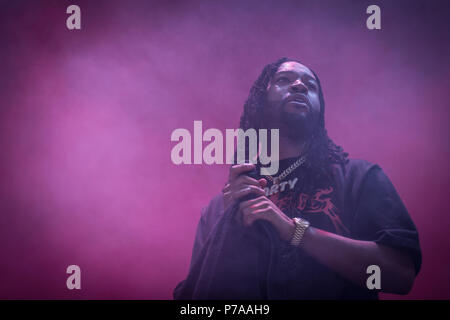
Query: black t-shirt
(359, 202)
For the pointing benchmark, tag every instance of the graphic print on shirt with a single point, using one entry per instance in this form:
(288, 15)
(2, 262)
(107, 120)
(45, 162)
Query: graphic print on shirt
(321, 202)
(318, 203)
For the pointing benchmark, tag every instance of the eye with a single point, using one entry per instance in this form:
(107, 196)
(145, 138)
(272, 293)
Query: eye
(282, 80)
(311, 85)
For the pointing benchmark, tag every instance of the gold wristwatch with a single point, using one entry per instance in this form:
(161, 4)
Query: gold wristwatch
(300, 227)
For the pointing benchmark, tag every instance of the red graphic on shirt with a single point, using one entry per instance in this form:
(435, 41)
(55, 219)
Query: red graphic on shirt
(320, 203)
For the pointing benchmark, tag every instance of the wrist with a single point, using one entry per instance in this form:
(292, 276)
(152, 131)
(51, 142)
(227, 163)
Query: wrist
(285, 227)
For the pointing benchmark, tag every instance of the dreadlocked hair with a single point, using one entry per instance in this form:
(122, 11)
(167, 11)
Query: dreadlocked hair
(321, 151)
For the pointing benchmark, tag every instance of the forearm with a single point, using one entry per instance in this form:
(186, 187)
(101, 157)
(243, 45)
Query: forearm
(350, 259)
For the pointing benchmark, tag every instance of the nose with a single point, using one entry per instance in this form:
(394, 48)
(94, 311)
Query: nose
(298, 86)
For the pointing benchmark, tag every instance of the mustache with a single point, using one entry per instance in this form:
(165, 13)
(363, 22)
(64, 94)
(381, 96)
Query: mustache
(298, 97)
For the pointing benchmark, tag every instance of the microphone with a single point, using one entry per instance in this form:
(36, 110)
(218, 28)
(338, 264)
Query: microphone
(259, 224)
(255, 175)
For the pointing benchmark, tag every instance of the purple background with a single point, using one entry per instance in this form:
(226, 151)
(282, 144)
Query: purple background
(86, 118)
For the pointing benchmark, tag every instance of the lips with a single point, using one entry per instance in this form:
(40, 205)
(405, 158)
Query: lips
(298, 101)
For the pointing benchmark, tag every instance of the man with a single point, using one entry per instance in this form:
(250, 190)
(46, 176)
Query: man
(312, 230)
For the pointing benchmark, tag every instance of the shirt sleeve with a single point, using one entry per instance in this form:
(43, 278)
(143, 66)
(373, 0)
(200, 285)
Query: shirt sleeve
(382, 217)
(199, 242)
(210, 215)
(200, 237)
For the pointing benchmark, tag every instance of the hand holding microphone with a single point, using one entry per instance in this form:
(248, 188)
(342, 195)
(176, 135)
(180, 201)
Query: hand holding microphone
(243, 184)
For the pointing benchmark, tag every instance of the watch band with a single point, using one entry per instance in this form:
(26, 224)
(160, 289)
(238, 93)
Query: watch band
(300, 227)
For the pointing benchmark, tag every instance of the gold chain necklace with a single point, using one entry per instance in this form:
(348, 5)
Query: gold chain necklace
(288, 171)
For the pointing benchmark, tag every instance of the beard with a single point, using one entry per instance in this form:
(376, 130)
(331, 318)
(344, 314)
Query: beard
(296, 126)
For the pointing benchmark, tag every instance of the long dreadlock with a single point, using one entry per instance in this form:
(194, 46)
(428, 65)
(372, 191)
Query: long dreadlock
(321, 152)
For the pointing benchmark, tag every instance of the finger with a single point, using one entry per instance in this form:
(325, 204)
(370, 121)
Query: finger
(248, 190)
(227, 197)
(247, 222)
(238, 169)
(248, 219)
(251, 202)
(249, 216)
(226, 188)
(227, 194)
(255, 209)
(245, 180)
